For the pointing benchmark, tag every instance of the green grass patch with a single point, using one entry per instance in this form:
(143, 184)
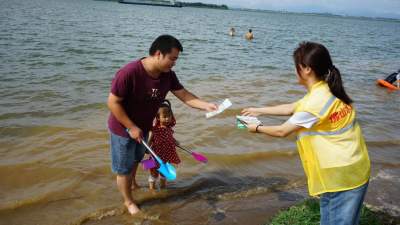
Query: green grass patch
(307, 213)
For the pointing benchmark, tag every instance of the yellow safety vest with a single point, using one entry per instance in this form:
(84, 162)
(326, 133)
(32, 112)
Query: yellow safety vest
(333, 151)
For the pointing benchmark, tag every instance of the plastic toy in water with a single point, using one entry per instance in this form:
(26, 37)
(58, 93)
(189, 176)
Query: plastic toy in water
(390, 81)
(386, 84)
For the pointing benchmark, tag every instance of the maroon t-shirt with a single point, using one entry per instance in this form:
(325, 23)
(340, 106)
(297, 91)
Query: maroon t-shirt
(142, 95)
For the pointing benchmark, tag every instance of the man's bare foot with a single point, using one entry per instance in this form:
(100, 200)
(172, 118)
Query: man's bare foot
(163, 183)
(132, 208)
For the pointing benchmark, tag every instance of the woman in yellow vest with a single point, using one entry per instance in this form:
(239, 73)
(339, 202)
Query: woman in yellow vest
(329, 139)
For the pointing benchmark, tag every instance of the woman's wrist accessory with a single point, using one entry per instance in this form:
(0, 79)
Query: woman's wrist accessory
(259, 125)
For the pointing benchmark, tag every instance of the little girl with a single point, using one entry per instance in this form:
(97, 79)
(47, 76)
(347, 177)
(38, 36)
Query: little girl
(163, 142)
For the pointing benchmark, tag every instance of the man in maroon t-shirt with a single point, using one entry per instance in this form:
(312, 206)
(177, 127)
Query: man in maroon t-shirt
(137, 90)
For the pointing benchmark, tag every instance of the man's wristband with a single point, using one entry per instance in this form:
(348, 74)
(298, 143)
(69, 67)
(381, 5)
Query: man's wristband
(259, 125)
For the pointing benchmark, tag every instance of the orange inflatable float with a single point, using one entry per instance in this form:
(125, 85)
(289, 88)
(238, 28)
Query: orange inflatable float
(387, 84)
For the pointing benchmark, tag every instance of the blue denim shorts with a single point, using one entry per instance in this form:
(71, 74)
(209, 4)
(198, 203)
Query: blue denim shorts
(343, 207)
(125, 152)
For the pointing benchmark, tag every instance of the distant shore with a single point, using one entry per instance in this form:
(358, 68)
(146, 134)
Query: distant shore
(317, 14)
(188, 4)
(226, 7)
(203, 5)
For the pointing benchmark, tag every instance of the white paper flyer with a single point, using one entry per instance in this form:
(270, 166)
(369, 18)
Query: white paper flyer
(249, 119)
(224, 105)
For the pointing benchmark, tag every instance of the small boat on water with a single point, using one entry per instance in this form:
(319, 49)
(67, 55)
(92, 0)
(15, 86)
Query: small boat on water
(152, 2)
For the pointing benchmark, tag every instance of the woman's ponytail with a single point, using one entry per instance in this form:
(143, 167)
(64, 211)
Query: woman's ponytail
(317, 57)
(334, 80)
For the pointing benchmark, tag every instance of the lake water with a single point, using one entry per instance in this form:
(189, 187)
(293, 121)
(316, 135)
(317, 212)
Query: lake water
(57, 62)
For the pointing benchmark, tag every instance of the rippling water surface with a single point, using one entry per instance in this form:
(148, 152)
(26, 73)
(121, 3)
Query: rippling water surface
(57, 62)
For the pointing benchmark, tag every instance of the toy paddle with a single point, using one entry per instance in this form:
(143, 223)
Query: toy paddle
(197, 156)
(148, 163)
(165, 169)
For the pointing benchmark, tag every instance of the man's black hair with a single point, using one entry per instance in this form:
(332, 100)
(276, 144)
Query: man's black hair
(165, 43)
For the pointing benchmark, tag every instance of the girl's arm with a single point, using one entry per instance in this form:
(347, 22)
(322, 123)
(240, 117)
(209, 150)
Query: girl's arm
(279, 110)
(282, 130)
(150, 138)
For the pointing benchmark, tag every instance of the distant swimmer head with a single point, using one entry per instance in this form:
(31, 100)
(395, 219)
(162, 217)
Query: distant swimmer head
(249, 35)
(232, 31)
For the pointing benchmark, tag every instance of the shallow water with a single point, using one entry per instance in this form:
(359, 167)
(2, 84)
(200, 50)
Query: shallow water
(57, 62)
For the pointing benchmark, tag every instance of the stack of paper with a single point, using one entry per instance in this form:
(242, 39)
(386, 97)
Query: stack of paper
(247, 120)
(224, 105)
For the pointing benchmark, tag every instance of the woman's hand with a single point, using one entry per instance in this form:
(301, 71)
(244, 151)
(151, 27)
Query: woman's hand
(250, 112)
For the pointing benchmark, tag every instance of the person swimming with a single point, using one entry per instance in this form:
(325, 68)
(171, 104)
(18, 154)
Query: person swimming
(232, 32)
(249, 35)
(393, 77)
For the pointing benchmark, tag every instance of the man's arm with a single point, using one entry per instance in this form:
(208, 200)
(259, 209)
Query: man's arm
(114, 104)
(193, 101)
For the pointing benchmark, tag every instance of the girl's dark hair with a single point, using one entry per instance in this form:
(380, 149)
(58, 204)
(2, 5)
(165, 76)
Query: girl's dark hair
(317, 57)
(165, 44)
(166, 104)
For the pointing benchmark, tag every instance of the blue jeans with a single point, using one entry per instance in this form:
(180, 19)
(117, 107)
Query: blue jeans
(343, 207)
(125, 153)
